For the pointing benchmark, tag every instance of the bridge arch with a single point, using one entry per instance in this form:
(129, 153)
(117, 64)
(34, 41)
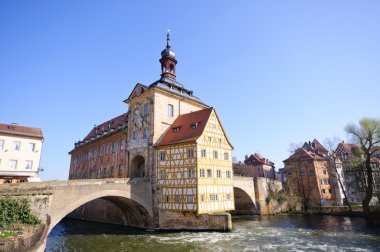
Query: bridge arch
(131, 203)
(244, 203)
(244, 193)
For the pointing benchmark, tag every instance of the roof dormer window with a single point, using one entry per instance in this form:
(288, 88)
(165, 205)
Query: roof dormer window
(194, 125)
(176, 129)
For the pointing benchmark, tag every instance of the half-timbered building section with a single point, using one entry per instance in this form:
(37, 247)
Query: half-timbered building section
(102, 153)
(177, 166)
(215, 189)
(194, 167)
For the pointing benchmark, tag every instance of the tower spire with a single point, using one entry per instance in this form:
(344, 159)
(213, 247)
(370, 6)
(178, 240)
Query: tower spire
(168, 39)
(168, 61)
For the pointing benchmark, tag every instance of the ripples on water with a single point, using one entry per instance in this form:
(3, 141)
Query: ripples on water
(272, 233)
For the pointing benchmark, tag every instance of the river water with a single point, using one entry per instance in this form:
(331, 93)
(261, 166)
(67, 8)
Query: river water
(250, 233)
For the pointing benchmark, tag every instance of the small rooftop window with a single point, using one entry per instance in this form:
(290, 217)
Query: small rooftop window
(176, 129)
(194, 125)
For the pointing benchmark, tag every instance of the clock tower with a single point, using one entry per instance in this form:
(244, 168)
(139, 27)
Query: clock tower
(168, 61)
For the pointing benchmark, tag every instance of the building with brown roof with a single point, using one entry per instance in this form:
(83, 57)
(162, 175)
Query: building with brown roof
(256, 165)
(20, 153)
(168, 136)
(308, 176)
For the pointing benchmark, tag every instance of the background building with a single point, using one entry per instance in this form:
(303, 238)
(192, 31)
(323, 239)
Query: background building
(257, 166)
(20, 153)
(308, 175)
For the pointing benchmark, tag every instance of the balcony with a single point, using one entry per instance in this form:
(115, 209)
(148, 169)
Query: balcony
(138, 143)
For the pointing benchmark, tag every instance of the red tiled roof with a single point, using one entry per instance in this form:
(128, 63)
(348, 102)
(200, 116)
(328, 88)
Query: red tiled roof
(14, 129)
(348, 146)
(184, 124)
(115, 122)
(302, 152)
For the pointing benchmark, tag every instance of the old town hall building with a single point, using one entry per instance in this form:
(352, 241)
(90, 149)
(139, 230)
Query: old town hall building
(168, 135)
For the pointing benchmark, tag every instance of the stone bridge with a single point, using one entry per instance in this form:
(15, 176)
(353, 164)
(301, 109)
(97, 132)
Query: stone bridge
(53, 200)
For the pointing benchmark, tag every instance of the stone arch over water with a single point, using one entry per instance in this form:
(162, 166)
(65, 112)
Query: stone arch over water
(244, 203)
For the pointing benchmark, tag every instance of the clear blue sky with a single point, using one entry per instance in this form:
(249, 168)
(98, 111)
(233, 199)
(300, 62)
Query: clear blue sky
(276, 71)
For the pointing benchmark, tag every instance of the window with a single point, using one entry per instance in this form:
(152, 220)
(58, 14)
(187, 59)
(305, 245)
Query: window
(93, 153)
(162, 174)
(13, 164)
(176, 129)
(324, 172)
(213, 197)
(1, 144)
(301, 173)
(329, 190)
(135, 135)
(114, 146)
(215, 154)
(177, 199)
(106, 149)
(100, 152)
(209, 173)
(104, 172)
(202, 197)
(190, 199)
(320, 182)
(258, 168)
(29, 165)
(194, 125)
(145, 133)
(32, 146)
(120, 170)
(219, 140)
(203, 153)
(218, 173)
(190, 173)
(112, 171)
(209, 138)
(226, 156)
(228, 196)
(228, 174)
(289, 174)
(167, 199)
(213, 126)
(122, 144)
(170, 110)
(146, 109)
(162, 156)
(98, 173)
(311, 173)
(323, 191)
(202, 173)
(16, 145)
(190, 153)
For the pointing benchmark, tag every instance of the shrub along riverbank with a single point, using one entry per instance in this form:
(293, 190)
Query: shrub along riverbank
(16, 221)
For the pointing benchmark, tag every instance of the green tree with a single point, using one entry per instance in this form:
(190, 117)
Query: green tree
(367, 136)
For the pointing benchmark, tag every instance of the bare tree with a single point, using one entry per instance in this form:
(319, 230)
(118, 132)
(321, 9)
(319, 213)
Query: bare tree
(294, 146)
(367, 137)
(331, 144)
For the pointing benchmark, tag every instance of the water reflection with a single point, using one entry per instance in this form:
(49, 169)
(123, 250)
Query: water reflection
(251, 233)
